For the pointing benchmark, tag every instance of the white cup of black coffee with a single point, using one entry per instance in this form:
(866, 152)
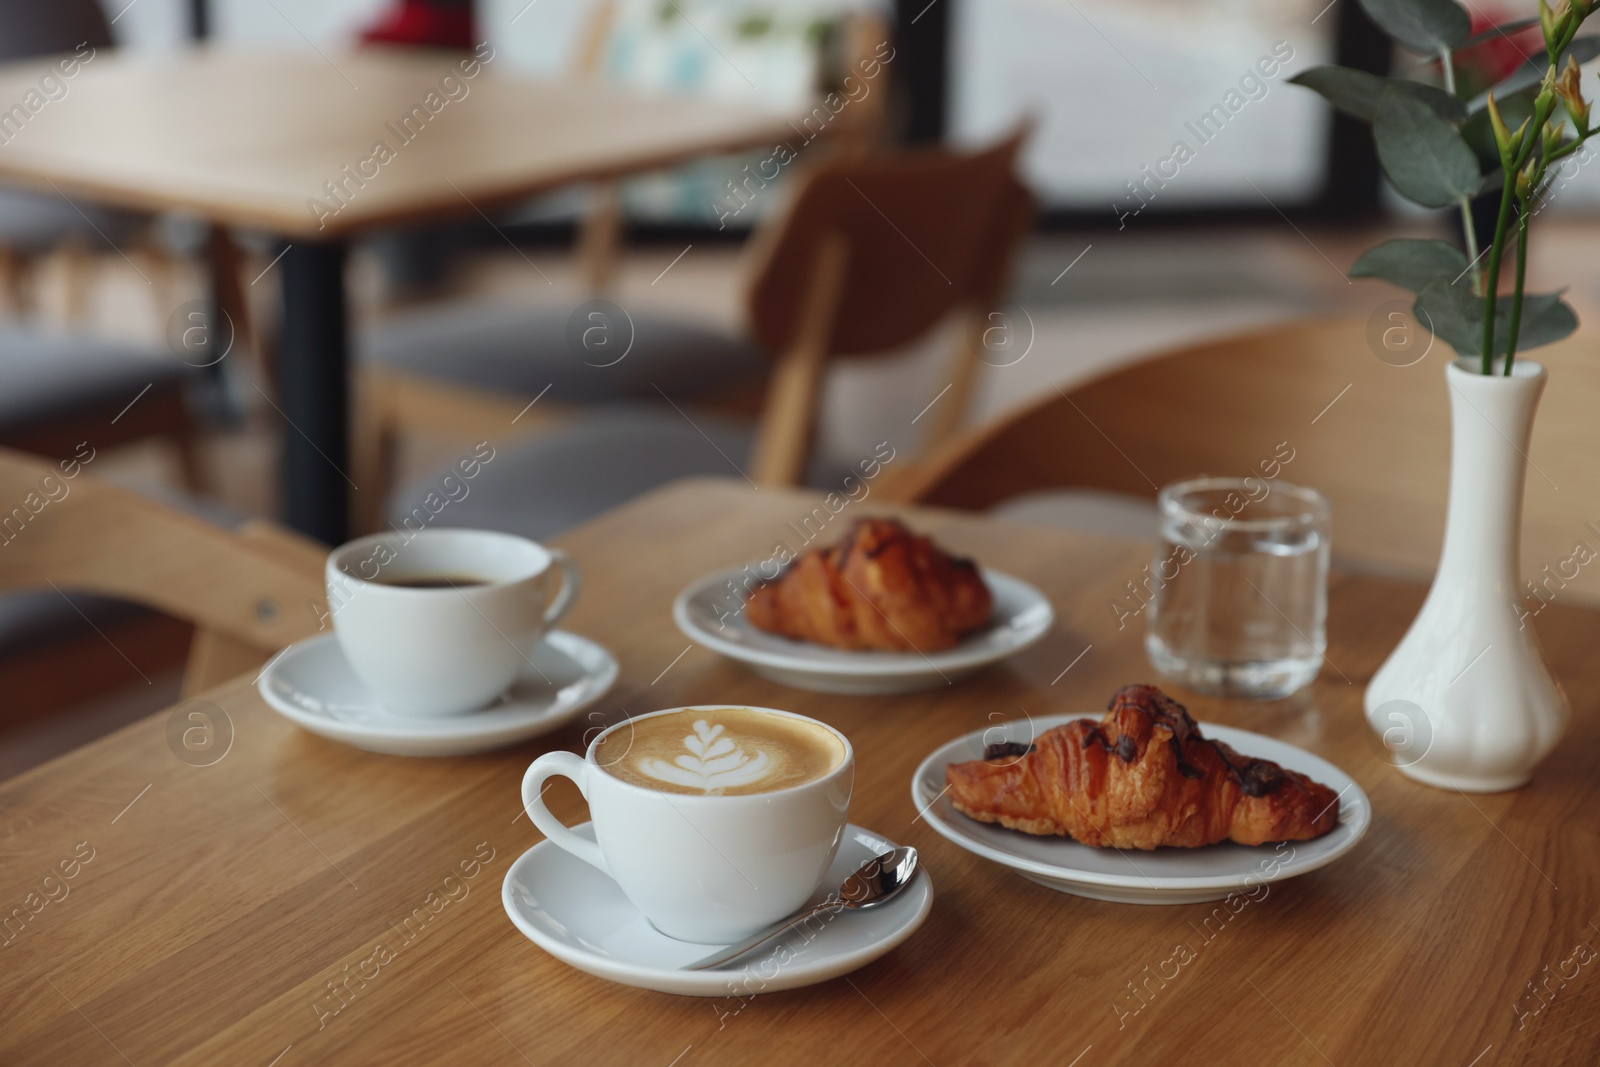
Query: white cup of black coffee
(441, 622)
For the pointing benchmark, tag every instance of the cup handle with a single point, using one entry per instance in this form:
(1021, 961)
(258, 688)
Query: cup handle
(571, 582)
(542, 769)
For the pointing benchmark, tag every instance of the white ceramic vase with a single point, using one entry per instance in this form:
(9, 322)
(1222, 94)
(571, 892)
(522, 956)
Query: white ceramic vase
(1465, 701)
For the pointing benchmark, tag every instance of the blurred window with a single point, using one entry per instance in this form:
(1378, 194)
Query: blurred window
(1118, 85)
(769, 53)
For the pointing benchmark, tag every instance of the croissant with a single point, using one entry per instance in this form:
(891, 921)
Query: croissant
(1142, 777)
(881, 587)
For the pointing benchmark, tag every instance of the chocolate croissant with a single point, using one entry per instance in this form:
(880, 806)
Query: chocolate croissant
(882, 587)
(1142, 777)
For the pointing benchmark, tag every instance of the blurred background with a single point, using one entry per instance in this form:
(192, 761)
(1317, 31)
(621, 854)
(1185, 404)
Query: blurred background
(1134, 246)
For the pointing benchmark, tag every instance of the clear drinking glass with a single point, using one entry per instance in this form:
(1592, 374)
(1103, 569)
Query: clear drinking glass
(1239, 585)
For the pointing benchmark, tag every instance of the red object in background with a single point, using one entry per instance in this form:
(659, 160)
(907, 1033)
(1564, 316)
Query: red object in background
(1496, 58)
(419, 22)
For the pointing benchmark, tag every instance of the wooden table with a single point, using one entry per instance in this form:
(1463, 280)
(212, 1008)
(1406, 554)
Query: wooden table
(255, 139)
(221, 899)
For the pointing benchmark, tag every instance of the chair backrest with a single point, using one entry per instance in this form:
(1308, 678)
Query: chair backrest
(31, 28)
(869, 255)
(1310, 400)
(925, 232)
(61, 527)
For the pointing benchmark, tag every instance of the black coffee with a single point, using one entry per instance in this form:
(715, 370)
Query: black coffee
(434, 581)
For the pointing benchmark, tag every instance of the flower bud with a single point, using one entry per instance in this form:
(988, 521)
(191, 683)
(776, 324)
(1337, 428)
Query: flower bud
(1545, 102)
(1568, 88)
(1550, 25)
(1502, 136)
(1552, 136)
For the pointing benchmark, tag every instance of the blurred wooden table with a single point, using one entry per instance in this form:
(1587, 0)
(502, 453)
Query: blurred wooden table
(220, 900)
(258, 140)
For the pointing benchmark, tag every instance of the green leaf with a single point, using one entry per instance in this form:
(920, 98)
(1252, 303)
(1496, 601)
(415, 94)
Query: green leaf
(1455, 314)
(1546, 318)
(1355, 92)
(1505, 29)
(1422, 154)
(1441, 103)
(1425, 26)
(1582, 50)
(1411, 264)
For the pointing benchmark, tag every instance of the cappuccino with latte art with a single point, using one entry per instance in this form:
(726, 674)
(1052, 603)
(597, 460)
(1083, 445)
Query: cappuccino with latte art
(719, 752)
(715, 822)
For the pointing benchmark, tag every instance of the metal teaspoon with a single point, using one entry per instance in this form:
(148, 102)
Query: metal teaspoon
(876, 882)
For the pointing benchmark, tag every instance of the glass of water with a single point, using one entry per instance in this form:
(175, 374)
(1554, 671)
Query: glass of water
(1239, 587)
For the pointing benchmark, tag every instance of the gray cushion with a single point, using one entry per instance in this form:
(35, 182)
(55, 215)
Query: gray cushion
(560, 479)
(34, 222)
(563, 478)
(43, 375)
(1094, 511)
(521, 350)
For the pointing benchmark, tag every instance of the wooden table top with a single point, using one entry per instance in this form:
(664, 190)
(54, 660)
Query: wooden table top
(210, 905)
(247, 138)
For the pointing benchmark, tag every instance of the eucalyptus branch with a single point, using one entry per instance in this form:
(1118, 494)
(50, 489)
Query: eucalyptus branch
(1470, 229)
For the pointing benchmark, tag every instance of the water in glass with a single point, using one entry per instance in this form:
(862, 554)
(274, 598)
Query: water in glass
(1240, 591)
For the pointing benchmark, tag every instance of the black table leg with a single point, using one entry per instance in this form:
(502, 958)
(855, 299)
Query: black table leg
(209, 348)
(314, 391)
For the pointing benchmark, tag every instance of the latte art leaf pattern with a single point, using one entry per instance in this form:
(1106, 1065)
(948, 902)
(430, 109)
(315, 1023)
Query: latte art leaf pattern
(712, 762)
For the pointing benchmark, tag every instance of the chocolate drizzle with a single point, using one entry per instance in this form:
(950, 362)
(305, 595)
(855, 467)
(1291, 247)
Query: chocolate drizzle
(1254, 777)
(1185, 768)
(875, 551)
(1006, 750)
(1126, 748)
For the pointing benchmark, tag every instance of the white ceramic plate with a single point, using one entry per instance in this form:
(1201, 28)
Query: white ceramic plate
(311, 684)
(1163, 876)
(578, 915)
(1022, 615)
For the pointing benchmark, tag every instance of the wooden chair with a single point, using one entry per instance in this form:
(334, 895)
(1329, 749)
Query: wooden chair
(58, 389)
(34, 223)
(246, 593)
(856, 133)
(869, 256)
(445, 370)
(1374, 438)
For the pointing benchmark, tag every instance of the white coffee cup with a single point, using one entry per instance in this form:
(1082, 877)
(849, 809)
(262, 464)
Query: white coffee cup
(709, 869)
(454, 648)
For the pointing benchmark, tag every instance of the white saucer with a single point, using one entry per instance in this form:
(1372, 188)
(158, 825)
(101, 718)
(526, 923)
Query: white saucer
(578, 915)
(311, 684)
(1163, 876)
(1022, 615)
